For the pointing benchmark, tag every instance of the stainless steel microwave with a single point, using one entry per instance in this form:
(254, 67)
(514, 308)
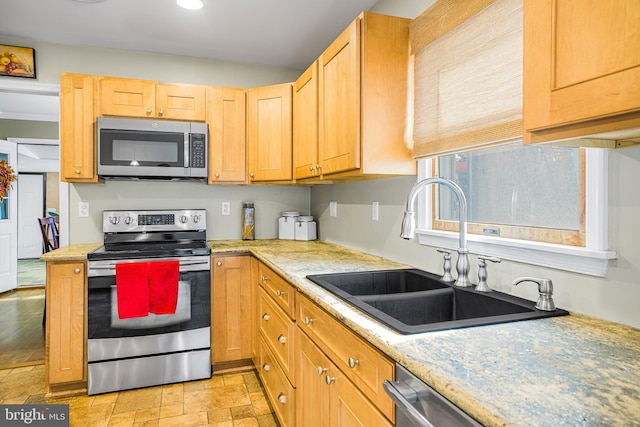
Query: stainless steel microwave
(152, 149)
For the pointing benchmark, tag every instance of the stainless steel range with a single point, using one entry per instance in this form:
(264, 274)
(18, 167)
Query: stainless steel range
(149, 307)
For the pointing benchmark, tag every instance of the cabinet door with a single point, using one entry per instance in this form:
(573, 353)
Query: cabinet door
(581, 61)
(313, 391)
(231, 306)
(77, 116)
(65, 317)
(269, 133)
(339, 104)
(226, 117)
(127, 97)
(180, 102)
(349, 407)
(305, 124)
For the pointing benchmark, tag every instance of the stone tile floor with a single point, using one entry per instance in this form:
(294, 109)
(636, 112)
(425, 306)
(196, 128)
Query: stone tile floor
(226, 400)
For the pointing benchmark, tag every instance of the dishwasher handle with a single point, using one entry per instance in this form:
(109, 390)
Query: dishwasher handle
(403, 395)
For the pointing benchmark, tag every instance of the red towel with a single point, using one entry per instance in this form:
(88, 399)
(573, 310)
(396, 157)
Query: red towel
(163, 286)
(132, 289)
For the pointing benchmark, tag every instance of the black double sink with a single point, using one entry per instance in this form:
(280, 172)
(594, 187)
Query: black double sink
(413, 301)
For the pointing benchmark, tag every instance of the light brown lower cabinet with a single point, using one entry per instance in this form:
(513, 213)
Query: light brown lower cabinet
(65, 335)
(326, 397)
(231, 309)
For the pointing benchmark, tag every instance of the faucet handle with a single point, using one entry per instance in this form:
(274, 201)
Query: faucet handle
(482, 272)
(545, 292)
(446, 276)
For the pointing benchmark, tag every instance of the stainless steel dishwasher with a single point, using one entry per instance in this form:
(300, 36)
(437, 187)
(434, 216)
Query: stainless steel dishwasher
(421, 406)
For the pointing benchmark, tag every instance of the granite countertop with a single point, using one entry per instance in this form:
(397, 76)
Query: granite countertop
(563, 371)
(572, 370)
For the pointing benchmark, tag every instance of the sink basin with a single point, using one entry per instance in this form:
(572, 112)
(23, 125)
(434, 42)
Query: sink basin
(413, 301)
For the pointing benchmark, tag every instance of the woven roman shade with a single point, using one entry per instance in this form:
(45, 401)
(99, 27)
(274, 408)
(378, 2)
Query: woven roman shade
(468, 75)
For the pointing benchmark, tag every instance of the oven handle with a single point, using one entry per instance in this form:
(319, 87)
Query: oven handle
(403, 401)
(109, 268)
(113, 266)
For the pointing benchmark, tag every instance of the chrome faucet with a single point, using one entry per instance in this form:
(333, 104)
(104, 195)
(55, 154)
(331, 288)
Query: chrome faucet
(409, 223)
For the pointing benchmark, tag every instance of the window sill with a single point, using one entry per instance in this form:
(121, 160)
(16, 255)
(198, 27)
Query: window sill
(569, 258)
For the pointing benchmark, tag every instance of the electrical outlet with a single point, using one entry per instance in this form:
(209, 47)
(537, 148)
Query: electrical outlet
(375, 211)
(333, 208)
(83, 209)
(226, 208)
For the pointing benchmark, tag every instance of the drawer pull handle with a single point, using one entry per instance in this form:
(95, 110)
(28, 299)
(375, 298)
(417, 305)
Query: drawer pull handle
(282, 339)
(280, 293)
(266, 317)
(266, 367)
(308, 320)
(353, 362)
(282, 398)
(329, 379)
(321, 370)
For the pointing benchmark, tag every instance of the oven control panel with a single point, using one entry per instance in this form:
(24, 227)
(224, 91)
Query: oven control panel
(157, 220)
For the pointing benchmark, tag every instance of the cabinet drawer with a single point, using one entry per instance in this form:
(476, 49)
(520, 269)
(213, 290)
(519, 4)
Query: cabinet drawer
(359, 360)
(280, 392)
(278, 332)
(282, 292)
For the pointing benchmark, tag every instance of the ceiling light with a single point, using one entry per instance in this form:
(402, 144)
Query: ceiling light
(190, 4)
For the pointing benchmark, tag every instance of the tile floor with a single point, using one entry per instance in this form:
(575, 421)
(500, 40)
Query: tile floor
(226, 400)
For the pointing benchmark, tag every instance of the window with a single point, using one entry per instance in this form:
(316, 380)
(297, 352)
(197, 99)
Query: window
(525, 192)
(535, 204)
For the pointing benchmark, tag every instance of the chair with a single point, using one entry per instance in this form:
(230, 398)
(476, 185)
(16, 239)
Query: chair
(50, 233)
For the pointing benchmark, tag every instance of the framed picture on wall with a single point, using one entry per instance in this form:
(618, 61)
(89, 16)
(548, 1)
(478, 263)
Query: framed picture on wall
(16, 61)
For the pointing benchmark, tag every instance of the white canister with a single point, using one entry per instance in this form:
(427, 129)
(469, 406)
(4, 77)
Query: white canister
(287, 224)
(305, 228)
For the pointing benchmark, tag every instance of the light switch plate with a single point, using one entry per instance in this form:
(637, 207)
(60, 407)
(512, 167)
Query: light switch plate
(83, 209)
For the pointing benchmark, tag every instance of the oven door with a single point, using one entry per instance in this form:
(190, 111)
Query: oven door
(110, 337)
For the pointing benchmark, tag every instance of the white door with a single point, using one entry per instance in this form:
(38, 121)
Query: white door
(30, 208)
(9, 225)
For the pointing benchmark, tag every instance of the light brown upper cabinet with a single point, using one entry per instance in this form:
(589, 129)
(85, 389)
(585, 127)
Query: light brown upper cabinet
(226, 113)
(146, 98)
(77, 117)
(305, 124)
(581, 70)
(363, 100)
(269, 133)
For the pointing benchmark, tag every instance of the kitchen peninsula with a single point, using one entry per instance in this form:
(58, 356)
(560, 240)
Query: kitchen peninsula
(571, 370)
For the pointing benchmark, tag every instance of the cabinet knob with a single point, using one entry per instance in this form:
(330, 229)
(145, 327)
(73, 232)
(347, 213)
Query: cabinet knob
(149, 111)
(266, 317)
(280, 293)
(282, 398)
(160, 112)
(311, 168)
(321, 370)
(219, 263)
(282, 339)
(77, 270)
(353, 362)
(251, 175)
(77, 171)
(217, 175)
(318, 167)
(308, 320)
(266, 367)
(264, 278)
(329, 379)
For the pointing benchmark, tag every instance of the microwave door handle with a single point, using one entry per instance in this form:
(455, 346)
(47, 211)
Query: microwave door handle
(187, 142)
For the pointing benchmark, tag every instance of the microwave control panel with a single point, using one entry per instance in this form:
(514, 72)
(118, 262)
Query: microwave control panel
(198, 150)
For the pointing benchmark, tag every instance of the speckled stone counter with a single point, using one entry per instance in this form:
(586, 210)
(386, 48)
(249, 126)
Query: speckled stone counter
(563, 371)
(70, 253)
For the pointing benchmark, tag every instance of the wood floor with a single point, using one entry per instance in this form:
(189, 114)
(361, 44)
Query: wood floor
(22, 332)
